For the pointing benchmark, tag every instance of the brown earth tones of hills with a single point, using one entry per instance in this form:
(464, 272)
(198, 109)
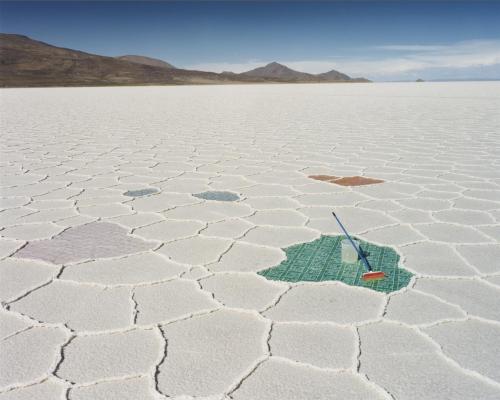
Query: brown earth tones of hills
(25, 62)
(146, 61)
(279, 71)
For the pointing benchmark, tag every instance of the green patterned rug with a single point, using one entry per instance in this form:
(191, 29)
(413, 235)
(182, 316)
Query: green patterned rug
(320, 260)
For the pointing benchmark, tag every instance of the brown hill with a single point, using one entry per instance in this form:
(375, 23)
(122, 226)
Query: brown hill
(334, 76)
(275, 70)
(281, 72)
(154, 62)
(25, 62)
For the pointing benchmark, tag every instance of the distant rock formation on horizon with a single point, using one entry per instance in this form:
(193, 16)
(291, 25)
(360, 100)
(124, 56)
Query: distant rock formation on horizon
(25, 62)
(335, 76)
(279, 71)
(275, 70)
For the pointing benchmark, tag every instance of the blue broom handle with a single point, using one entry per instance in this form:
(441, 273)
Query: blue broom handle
(360, 253)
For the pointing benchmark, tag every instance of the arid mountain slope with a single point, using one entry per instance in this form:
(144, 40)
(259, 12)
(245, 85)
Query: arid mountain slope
(154, 62)
(279, 71)
(275, 70)
(25, 62)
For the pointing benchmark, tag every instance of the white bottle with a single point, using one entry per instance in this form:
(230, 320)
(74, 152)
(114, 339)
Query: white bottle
(349, 254)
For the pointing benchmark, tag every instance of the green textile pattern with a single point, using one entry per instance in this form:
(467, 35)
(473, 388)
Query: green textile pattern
(320, 260)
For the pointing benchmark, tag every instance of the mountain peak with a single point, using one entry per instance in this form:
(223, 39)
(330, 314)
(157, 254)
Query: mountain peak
(153, 62)
(27, 62)
(14, 35)
(335, 76)
(277, 70)
(280, 72)
(275, 64)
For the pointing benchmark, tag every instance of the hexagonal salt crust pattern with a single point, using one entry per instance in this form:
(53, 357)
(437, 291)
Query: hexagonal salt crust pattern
(320, 260)
(158, 297)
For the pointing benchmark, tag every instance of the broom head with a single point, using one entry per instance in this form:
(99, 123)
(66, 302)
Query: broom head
(373, 276)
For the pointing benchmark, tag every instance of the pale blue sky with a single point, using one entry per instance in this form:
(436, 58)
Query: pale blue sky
(380, 40)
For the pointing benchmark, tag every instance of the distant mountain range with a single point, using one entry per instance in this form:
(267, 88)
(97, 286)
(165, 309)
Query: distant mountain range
(25, 62)
(278, 71)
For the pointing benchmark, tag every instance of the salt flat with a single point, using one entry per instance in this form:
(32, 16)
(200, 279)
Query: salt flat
(107, 296)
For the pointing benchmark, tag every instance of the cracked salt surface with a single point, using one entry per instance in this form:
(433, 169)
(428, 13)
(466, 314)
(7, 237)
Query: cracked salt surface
(107, 296)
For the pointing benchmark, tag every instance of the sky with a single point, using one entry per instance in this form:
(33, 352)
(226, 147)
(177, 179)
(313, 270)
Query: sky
(392, 40)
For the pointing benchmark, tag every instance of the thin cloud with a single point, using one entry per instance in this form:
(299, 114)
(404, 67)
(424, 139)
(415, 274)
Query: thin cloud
(409, 47)
(457, 56)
